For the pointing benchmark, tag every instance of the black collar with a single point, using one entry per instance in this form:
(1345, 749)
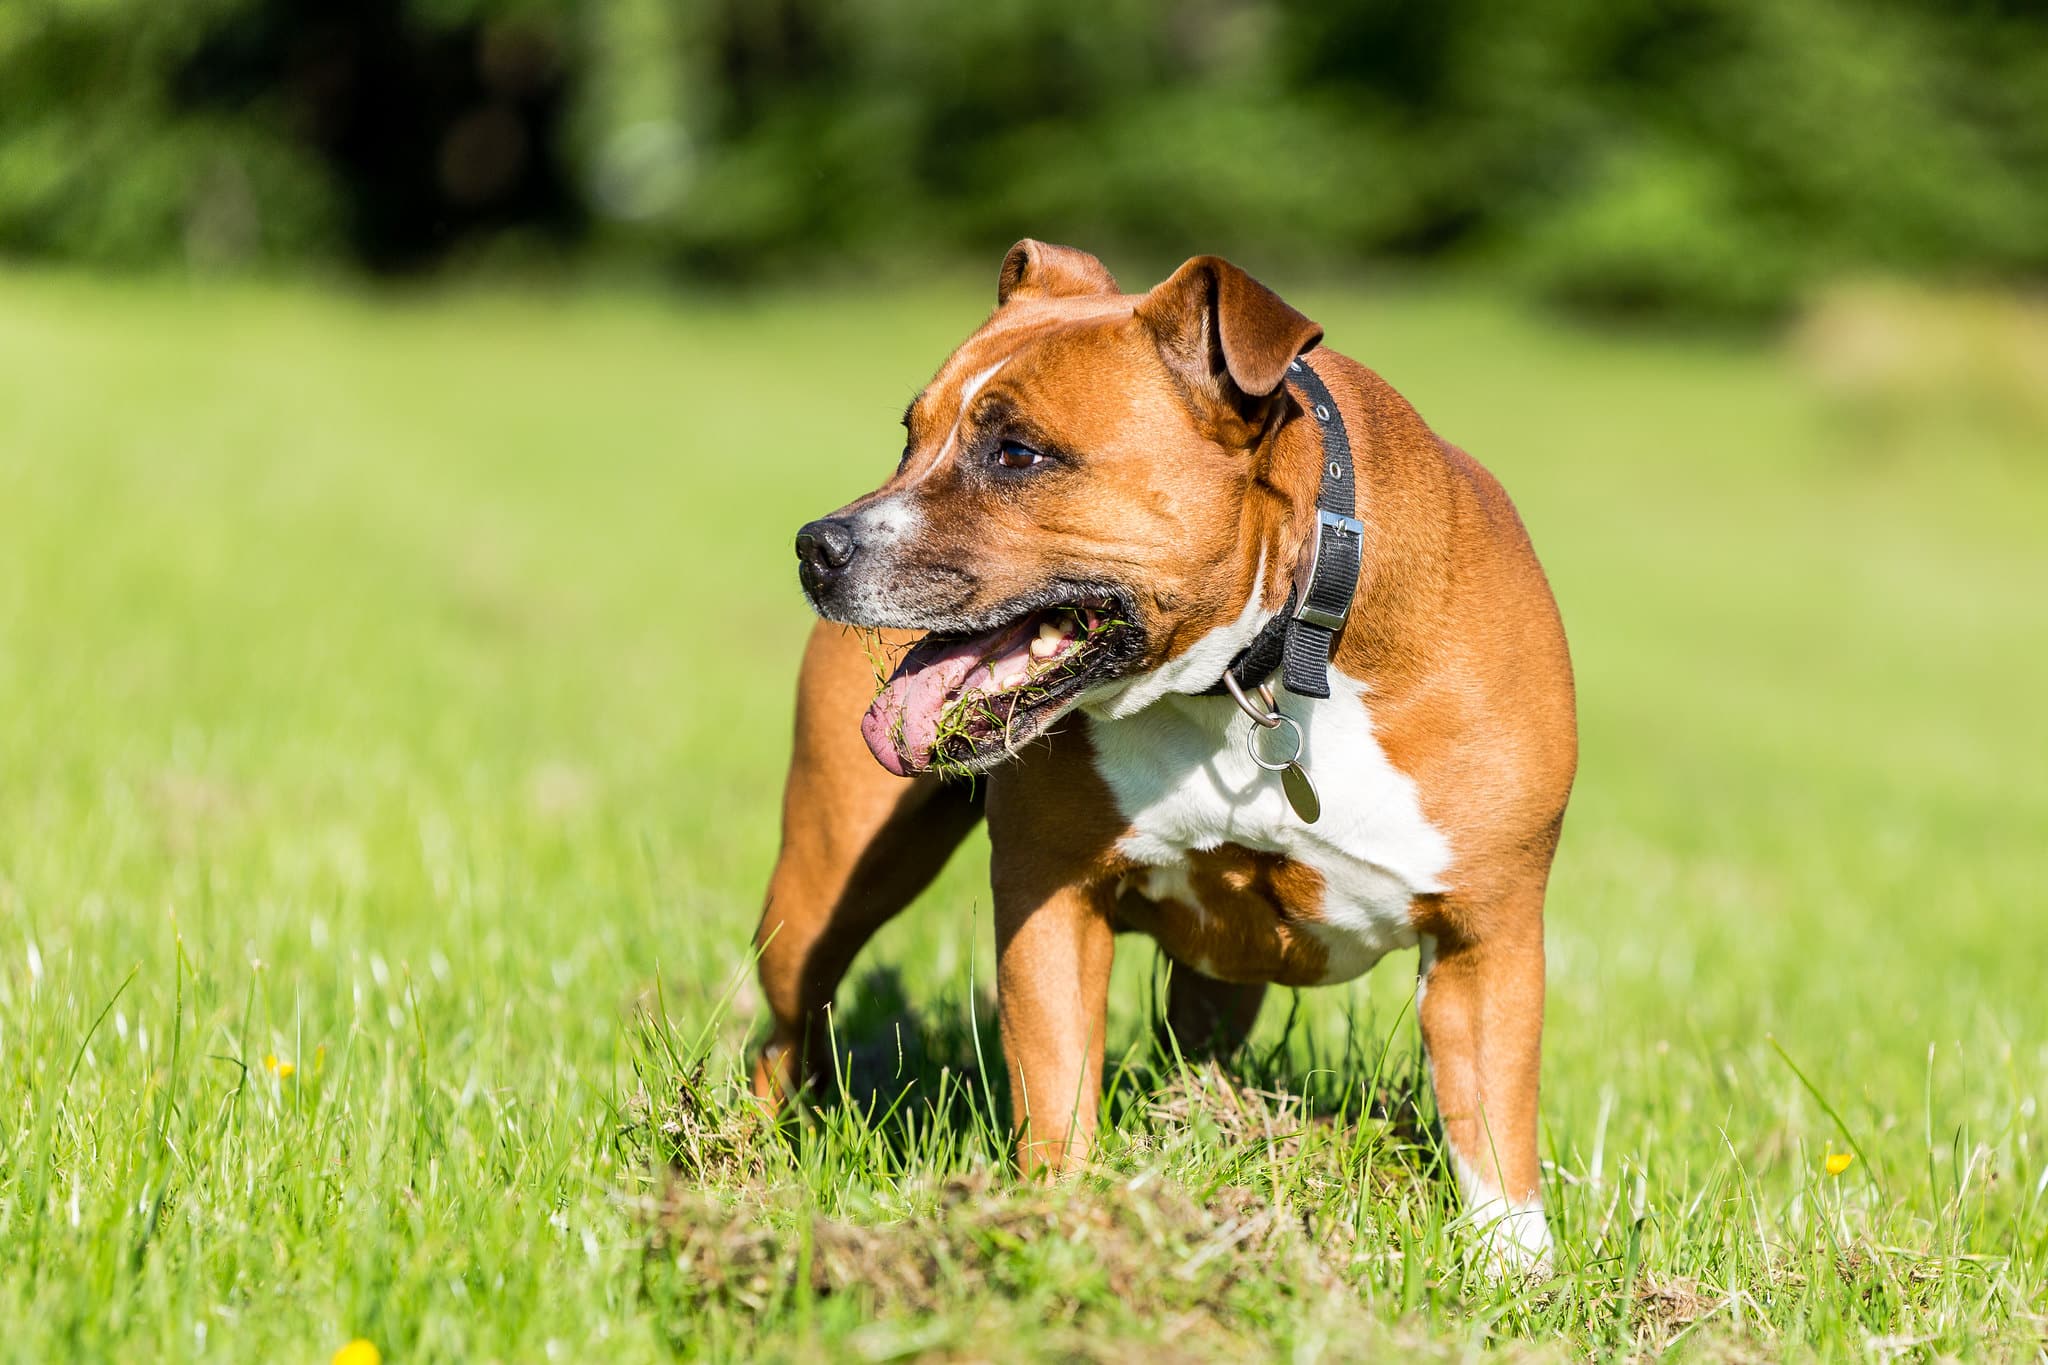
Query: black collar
(1298, 641)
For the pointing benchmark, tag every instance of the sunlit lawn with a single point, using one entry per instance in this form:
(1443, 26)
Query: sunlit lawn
(393, 705)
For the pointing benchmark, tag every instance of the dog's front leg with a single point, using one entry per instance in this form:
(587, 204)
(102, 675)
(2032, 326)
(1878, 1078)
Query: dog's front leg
(1482, 1026)
(1054, 945)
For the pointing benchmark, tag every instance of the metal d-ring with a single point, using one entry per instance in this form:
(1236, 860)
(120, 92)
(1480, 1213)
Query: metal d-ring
(1251, 744)
(1267, 718)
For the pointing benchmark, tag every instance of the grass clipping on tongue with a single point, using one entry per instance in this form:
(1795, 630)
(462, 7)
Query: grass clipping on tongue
(881, 655)
(956, 726)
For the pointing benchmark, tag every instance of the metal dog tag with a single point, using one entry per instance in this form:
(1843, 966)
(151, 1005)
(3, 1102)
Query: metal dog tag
(1267, 720)
(1294, 782)
(1301, 793)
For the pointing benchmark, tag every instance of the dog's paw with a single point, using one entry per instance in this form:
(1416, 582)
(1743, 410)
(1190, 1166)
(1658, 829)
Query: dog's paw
(1512, 1240)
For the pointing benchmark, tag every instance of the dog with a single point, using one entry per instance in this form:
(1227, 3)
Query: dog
(1107, 503)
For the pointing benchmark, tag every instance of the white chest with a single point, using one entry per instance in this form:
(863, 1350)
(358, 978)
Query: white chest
(1182, 778)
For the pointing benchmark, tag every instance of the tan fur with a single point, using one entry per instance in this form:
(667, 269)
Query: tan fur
(1454, 633)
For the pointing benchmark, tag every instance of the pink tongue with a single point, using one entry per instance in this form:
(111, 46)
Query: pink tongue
(903, 721)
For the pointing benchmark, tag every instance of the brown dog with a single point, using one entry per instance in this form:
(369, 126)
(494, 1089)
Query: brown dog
(1103, 500)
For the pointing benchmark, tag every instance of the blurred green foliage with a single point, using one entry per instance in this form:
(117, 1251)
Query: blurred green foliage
(1677, 155)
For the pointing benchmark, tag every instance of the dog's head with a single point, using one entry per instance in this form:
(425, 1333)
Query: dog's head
(1082, 509)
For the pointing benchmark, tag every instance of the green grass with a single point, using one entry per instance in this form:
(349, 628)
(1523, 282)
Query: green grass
(400, 689)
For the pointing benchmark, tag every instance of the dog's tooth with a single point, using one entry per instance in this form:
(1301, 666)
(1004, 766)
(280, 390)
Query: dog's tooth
(1045, 646)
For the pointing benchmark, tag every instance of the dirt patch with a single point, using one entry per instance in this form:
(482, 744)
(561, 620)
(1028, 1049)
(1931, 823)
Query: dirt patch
(1321, 1151)
(1143, 1249)
(1242, 1114)
(1666, 1308)
(705, 1133)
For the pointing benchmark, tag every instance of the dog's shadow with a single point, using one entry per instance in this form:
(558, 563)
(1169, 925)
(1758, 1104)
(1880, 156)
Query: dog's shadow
(918, 1078)
(914, 1075)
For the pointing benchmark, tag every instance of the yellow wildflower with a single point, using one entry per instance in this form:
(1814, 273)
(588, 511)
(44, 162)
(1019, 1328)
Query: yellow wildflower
(277, 1066)
(1838, 1162)
(358, 1352)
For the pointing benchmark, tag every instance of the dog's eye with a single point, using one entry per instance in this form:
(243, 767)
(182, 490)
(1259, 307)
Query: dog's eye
(1017, 455)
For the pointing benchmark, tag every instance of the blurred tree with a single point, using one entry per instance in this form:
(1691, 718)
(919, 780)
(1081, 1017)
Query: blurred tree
(229, 130)
(1683, 155)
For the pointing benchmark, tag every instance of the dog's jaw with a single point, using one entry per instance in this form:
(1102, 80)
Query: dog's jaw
(1195, 669)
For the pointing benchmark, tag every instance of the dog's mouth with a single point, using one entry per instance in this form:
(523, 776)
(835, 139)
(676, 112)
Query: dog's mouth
(958, 704)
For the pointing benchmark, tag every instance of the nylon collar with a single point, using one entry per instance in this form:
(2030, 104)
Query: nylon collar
(1299, 641)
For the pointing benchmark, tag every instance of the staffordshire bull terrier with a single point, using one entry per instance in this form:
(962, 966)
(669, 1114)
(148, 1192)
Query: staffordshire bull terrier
(1118, 520)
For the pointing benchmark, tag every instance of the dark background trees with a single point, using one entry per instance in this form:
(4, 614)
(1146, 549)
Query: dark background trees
(1687, 156)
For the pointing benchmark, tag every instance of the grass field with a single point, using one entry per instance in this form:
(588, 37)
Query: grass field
(393, 706)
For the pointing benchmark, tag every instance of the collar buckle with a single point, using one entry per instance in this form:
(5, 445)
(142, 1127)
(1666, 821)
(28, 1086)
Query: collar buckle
(1328, 574)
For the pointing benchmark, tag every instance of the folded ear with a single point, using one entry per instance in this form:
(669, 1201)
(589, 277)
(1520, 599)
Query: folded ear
(1225, 336)
(1042, 270)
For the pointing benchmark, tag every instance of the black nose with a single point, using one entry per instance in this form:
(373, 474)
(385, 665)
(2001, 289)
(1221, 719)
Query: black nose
(823, 550)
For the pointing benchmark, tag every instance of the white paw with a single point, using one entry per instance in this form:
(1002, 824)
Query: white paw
(1512, 1235)
(1513, 1239)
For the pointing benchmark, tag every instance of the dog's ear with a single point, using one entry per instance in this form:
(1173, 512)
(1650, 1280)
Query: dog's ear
(1042, 270)
(1225, 336)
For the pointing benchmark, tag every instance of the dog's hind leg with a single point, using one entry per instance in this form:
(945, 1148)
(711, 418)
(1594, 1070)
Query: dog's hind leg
(1209, 1018)
(857, 846)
